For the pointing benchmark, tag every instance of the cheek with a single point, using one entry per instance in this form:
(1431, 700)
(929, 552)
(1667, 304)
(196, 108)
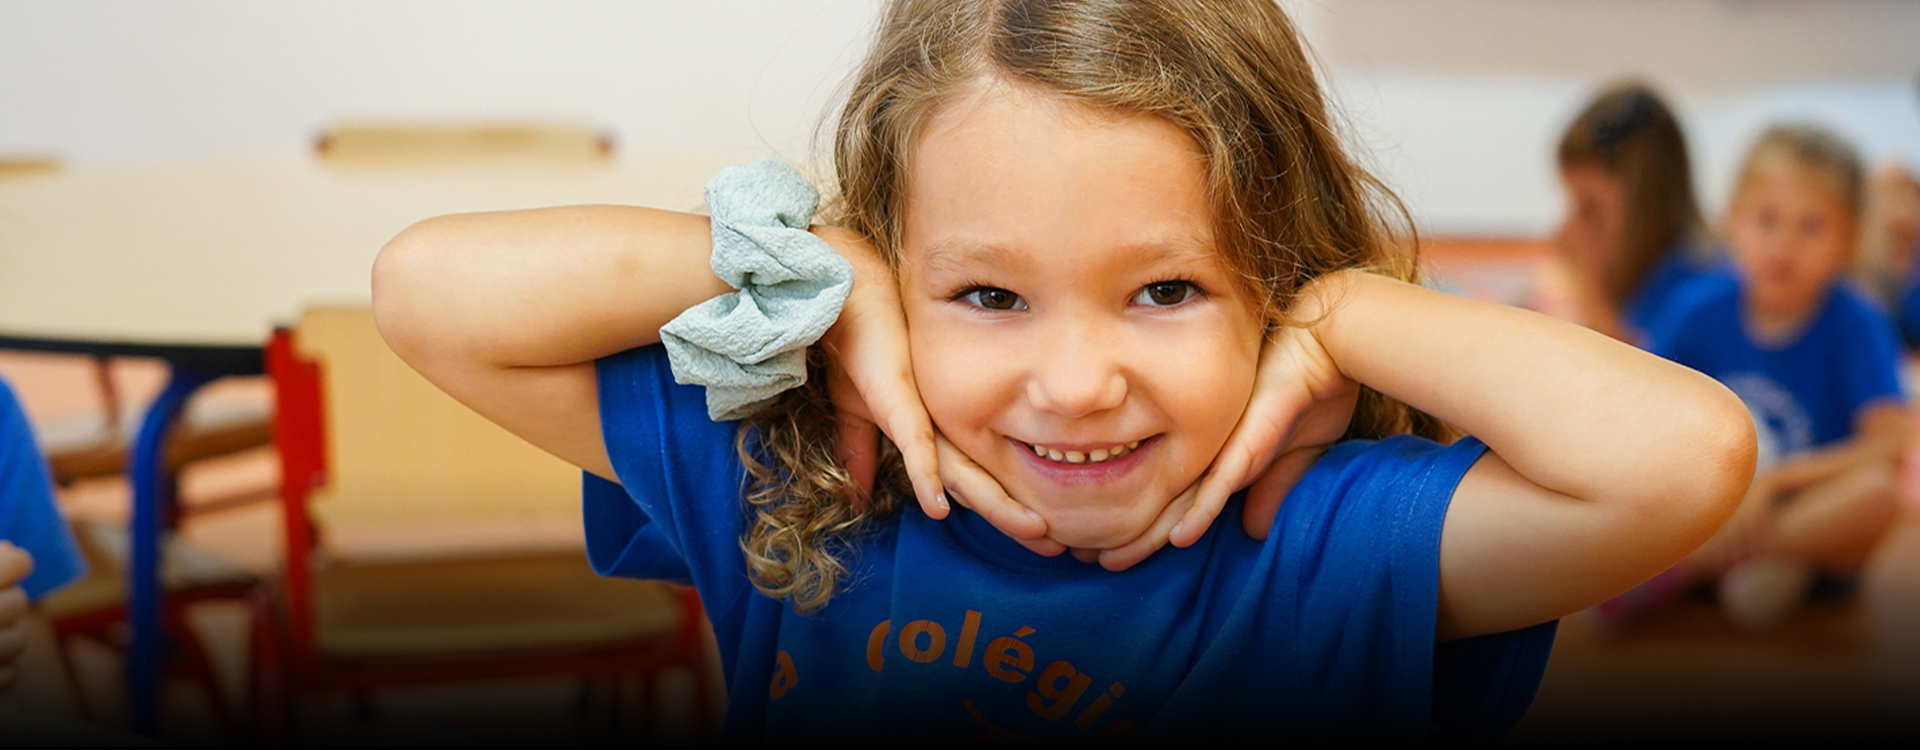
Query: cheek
(961, 382)
(1205, 386)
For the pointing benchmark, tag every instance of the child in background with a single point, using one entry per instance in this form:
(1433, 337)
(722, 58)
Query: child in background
(1889, 242)
(37, 552)
(1633, 233)
(1816, 364)
(1113, 236)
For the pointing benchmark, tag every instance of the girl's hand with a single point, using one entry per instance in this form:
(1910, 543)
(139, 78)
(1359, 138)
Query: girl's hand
(1301, 405)
(15, 565)
(871, 382)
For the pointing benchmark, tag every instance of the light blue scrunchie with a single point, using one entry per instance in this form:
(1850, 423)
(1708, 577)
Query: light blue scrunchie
(749, 346)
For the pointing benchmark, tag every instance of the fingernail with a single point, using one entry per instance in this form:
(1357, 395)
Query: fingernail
(1033, 515)
(941, 500)
(1176, 529)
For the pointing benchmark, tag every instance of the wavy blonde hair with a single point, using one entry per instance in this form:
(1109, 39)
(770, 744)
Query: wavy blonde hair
(1291, 204)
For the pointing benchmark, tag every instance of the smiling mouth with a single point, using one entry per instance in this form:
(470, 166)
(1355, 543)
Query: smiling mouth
(1097, 455)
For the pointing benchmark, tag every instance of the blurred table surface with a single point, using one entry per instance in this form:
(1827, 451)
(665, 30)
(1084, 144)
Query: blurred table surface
(216, 252)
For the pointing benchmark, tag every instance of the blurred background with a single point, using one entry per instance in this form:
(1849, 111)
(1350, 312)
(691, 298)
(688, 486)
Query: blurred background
(1459, 101)
(218, 148)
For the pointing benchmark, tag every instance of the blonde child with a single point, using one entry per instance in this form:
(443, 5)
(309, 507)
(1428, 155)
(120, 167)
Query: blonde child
(1112, 256)
(1816, 364)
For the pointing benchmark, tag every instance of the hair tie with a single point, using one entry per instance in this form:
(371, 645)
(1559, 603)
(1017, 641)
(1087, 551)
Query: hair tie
(749, 346)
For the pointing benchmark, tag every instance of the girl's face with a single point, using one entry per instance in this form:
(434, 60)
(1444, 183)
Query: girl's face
(1073, 326)
(1592, 232)
(1790, 235)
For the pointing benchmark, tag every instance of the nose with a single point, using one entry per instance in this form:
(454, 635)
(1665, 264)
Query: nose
(1078, 374)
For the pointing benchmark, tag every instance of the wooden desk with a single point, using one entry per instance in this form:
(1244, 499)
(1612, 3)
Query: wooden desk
(194, 263)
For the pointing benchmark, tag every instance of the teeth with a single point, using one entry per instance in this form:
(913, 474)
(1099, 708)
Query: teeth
(1076, 457)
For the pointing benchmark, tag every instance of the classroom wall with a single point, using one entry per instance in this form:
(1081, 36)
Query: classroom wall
(1457, 101)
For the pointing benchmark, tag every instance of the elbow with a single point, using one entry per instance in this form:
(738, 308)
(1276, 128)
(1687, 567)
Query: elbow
(402, 282)
(1720, 454)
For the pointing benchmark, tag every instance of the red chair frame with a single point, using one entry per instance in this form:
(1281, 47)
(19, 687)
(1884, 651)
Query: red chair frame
(286, 661)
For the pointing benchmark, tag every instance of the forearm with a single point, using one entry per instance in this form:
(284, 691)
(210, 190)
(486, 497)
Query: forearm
(1569, 409)
(539, 288)
(1880, 435)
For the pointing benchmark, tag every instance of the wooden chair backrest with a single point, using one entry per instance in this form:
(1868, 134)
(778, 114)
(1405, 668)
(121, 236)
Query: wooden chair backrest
(400, 451)
(26, 166)
(376, 144)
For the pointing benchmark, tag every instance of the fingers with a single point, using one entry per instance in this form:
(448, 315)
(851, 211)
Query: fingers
(1261, 433)
(1272, 486)
(905, 420)
(13, 631)
(1130, 554)
(15, 564)
(868, 405)
(973, 487)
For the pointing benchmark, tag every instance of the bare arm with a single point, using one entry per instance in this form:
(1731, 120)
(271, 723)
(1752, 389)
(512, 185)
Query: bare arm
(1606, 464)
(508, 311)
(1879, 434)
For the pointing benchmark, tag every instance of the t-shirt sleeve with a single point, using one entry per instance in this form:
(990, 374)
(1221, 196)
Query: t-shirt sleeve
(28, 517)
(1873, 375)
(1910, 314)
(676, 512)
(1375, 580)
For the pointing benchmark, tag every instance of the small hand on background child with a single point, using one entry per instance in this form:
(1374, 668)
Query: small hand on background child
(15, 565)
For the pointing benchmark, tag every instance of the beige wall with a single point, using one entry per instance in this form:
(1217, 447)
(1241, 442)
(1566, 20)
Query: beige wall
(1696, 47)
(1457, 101)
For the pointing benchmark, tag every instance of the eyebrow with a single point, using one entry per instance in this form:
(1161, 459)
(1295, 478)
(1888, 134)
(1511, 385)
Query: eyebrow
(958, 254)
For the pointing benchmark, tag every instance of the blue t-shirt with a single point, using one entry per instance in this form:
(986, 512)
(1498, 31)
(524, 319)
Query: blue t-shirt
(28, 517)
(1664, 287)
(950, 632)
(1803, 393)
(1909, 314)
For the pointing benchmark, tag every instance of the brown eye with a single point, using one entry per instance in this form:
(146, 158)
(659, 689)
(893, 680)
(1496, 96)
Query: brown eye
(1165, 293)
(992, 298)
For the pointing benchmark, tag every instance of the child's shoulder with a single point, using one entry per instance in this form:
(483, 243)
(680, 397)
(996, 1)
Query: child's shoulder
(1849, 305)
(1364, 488)
(1854, 328)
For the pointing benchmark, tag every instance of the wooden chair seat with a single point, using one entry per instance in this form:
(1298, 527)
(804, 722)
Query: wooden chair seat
(484, 606)
(88, 448)
(101, 593)
(95, 606)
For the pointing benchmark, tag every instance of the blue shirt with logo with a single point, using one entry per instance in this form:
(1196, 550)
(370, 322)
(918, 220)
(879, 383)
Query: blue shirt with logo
(949, 632)
(1805, 392)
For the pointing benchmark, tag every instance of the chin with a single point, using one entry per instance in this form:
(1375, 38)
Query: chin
(1095, 528)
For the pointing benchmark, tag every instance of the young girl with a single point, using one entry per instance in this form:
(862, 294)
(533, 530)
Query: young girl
(1816, 363)
(1116, 237)
(1633, 232)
